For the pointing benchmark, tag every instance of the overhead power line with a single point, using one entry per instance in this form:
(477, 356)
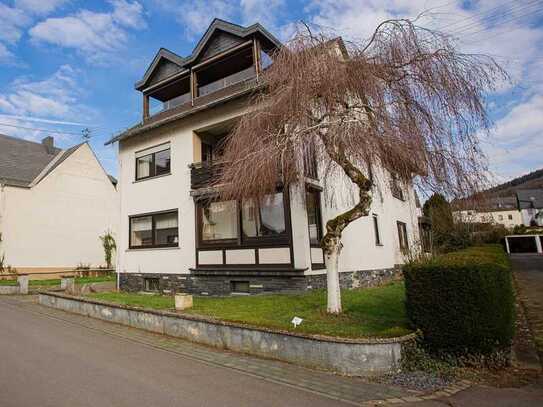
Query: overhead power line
(45, 130)
(488, 14)
(513, 15)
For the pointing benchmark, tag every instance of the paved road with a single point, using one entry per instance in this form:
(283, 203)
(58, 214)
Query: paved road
(50, 362)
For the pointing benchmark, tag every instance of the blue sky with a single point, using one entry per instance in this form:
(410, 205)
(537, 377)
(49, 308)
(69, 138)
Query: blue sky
(67, 64)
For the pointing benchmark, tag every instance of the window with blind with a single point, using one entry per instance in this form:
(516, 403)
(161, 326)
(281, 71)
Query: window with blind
(153, 162)
(154, 230)
(402, 236)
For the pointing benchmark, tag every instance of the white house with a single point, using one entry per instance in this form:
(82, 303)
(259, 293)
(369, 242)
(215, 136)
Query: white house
(54, 205)
(176, 235)
(530, 205)
(496, 210)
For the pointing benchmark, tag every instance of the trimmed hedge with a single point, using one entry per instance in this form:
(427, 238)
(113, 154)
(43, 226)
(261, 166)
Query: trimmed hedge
(463, 302)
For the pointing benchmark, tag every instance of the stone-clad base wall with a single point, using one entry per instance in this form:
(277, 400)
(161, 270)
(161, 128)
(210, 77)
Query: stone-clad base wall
(357, 279)
(222, 284)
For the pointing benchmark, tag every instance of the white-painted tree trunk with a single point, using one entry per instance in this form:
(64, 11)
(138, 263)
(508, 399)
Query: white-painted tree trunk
(332, 277)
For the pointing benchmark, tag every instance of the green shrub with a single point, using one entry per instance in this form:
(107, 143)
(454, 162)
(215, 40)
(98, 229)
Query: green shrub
(463, 302)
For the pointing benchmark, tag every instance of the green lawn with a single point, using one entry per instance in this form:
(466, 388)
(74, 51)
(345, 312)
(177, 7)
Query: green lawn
(372, 312)
(56, 281)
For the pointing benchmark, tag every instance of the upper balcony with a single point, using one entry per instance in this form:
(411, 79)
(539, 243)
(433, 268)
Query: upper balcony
(211, 79)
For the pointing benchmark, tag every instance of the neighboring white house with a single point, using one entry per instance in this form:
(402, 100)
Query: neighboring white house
(530, 204)
(175, 235)
(496, 210)
(54, 205)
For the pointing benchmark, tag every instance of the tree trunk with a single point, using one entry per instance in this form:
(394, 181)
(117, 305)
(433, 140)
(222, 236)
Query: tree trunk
(331, 241)
(333, 288)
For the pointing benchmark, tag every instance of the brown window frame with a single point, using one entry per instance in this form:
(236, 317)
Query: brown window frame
(246, 242)
(153, 230)
(402, 236)
(152, 170)
(316, 191)
(376, 230)
(396, 188)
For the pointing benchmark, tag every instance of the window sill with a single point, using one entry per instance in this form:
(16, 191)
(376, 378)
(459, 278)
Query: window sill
(144, 249)
(150, 178)
(379, 245)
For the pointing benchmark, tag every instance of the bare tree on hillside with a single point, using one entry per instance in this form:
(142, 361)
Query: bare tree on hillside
(406, 101)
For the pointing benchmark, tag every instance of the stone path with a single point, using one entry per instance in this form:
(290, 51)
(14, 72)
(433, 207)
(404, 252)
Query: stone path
(352, 390)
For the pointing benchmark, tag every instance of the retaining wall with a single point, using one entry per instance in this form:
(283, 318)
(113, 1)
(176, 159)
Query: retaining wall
(352, 357)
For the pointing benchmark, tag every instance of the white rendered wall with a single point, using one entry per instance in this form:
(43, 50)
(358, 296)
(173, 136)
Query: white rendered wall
(360, 251)
(57, 223)
(166, 192)
(497, 217)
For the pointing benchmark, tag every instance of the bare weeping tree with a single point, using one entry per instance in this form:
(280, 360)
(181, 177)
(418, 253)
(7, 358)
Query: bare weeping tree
(406, 101)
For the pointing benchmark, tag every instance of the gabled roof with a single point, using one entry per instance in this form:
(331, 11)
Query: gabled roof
(25, 163)
(215, 26)
(61, 157)
(21, 161)
(530, 198)
(162, 54)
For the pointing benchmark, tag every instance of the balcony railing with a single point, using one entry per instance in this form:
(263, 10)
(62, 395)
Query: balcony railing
(237, 77)
(204, 174)
(170, 104)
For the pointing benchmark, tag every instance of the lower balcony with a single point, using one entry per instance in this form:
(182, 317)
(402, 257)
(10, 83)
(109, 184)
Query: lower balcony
(205, 174)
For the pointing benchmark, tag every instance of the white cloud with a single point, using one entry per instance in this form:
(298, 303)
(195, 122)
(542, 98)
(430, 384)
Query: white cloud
(265, 12)
(194, 16)
(5, 54)
(56, 96)
(13, 23)
(504, 31)
(40, 7)
(515, 147)
(95, 35)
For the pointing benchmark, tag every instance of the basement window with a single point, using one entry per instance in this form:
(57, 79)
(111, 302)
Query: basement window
(152, 284)
(239, 287)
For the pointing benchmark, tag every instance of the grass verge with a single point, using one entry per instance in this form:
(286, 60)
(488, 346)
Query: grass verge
(56, 281)
(371, 312)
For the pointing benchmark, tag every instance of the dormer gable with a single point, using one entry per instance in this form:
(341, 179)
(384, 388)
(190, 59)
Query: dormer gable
(164, 65)
(219, 42)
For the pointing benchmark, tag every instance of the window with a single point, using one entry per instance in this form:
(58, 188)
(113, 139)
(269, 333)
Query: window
(242, 221)
(152, 284)
(266, 219)
(510, 217)
(154, 230)
(313, 207)
(402, 236)
(376, 230)
(500, 217)
(396, 188)
(153, 162)
(239, 287)
(219, 221)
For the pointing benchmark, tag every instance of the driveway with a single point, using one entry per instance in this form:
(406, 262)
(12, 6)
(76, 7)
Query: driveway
(528, 271)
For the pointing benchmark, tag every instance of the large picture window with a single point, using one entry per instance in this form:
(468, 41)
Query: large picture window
(153, 162)
(154, 230)
(245, 222)
(219, 221)
(313, 208)
(264, 219)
